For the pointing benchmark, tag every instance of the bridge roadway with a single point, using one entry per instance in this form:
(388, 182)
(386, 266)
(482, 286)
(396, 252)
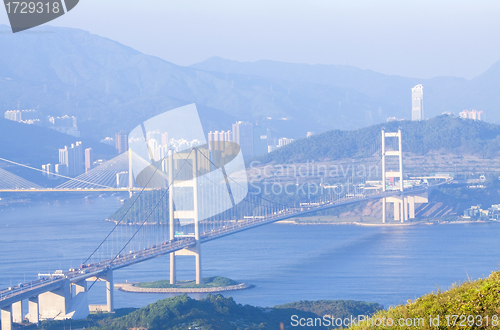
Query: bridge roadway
(27, 290)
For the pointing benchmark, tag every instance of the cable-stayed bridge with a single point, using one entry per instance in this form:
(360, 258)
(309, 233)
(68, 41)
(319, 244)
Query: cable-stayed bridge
(185, 199)
(111, 176)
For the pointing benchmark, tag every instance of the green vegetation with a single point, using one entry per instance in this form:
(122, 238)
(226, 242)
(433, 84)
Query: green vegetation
(208, 282)
(337, 308)
(444, 133)
(476, 302)
(214, 312)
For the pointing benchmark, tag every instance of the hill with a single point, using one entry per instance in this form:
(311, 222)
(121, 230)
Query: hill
(444, 133)
(470, 305)
(215, 312)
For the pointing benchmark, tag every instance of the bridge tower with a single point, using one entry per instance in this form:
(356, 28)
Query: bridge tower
(184, 214)
(400, 205)
(130, 174)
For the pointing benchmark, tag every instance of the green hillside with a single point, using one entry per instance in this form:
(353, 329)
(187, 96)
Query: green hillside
(444, 133)
(215, 312)
(470, 305)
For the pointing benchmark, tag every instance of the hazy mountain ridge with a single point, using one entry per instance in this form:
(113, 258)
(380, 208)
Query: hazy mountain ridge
(440, 93)
(109, 87)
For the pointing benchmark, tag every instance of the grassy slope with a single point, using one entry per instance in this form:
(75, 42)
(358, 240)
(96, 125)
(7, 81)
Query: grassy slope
(480, 297)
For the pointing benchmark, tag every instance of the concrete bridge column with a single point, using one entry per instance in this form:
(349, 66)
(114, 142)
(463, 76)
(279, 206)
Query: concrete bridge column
(383, 210)
(173, 279)
(405, 210)
(6, 317)
(110, 301)
(34, 313)
(397, 209)
(17, 312)
(55, 304)
(199, 278)
(411, 204)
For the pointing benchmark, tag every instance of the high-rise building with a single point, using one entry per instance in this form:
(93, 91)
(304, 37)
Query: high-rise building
(417, 103)
(76, 165)
(73, 158)
(218, 136)
(243, 136)
(164, 139)
(47, 170)
(63, 156)
(88, 159)
(121, 142)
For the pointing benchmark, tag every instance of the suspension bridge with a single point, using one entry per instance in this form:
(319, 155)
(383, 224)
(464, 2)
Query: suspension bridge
(177, 202)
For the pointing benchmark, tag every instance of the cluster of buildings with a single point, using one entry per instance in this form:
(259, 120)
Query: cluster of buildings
(417, 107)
(470, 114)
(65, 124)
(475, 212)
(73, 161)
(120, 141)
(254, 140)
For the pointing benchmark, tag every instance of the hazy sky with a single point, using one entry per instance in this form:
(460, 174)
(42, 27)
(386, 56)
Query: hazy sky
(411, 38)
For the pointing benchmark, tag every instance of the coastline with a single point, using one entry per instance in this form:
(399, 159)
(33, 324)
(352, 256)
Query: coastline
(354, 223)
(129, 287)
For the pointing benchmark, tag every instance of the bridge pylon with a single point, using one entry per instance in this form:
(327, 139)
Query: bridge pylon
(184, 214)
(400, 203)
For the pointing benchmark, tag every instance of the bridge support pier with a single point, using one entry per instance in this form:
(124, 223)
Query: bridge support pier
(6, 317)
(17, 312)
(404, 207)
(55, 304)
(173, 270)
(34, 312)
(191, 251)
(110, 301)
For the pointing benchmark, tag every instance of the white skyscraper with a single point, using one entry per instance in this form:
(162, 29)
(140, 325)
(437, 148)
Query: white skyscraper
(417, 103)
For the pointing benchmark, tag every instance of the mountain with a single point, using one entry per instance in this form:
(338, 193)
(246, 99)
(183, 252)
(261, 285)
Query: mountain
(111, 87)
(441, 94)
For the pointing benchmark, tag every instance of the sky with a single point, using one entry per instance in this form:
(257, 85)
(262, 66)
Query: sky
(420, 39)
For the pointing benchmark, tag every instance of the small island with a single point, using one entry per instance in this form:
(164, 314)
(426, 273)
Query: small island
(210, 285)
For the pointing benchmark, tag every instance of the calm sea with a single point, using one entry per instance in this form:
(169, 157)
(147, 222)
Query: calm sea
(286, 263)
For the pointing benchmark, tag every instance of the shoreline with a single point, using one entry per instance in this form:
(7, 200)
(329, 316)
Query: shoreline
(354, 223)
(130, 287)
